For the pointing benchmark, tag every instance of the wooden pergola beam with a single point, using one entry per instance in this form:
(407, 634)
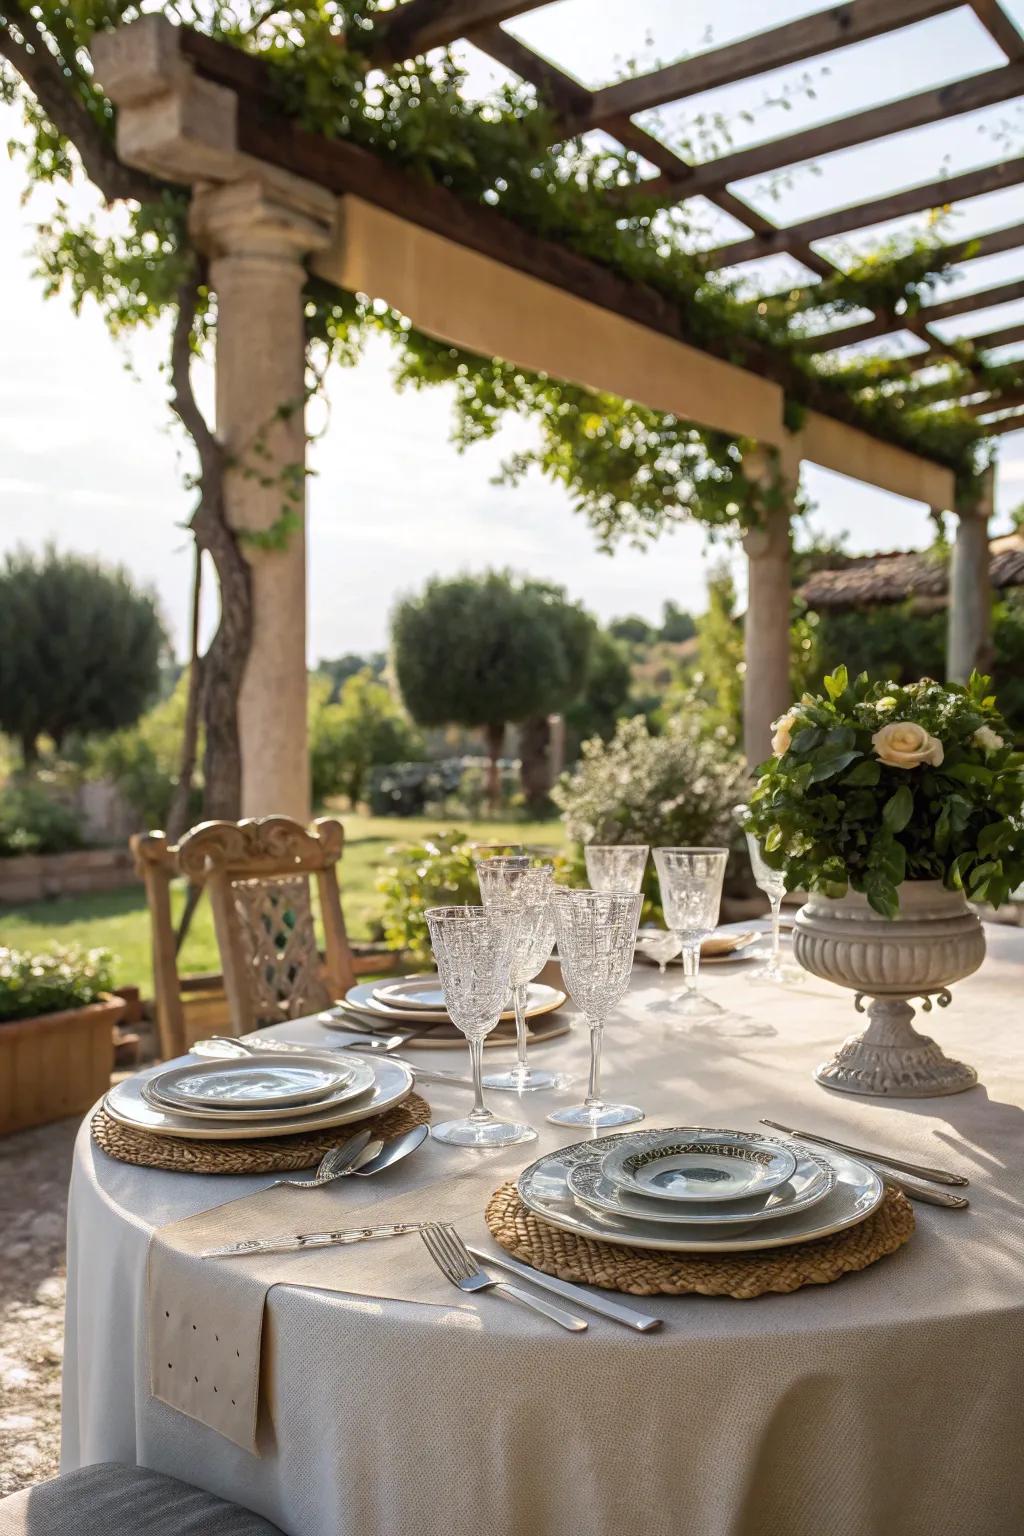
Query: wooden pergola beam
(992, 339)
(884, 325)
(1008, 402)
(897, 205)
(1006, 424)
(806, 38)
(1003, 31)
(419, 25)
(1009, 239)
(940, 103)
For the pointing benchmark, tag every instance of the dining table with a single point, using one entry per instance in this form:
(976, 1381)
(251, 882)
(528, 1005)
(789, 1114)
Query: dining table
(888, 1403)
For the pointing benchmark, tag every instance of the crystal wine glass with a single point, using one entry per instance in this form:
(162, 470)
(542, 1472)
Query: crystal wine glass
(473, 949)
(514, 885)
(691, 894)
(773, 883)
(596, 933)
(616, 867)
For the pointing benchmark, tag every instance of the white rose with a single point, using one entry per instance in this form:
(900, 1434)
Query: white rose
(902, 744)
(783, 729)
(987, 739)
(884, 705)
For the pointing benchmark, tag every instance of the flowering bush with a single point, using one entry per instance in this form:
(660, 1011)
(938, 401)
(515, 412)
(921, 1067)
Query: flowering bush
(67, 977)
(676, 789)
(873, 783)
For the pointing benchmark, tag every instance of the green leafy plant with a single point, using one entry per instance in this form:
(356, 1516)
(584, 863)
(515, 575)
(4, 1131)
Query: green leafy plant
(876, 783)
(35, 820)
(64, 977)
(438, 872)
(365, 728)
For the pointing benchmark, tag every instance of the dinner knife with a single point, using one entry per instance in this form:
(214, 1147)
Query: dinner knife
(938, 1175)
(914, 1190)
(639, 1321)
(294, 1242)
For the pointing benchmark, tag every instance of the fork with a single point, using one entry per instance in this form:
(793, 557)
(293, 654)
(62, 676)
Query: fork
(455, 1262)
(336, 1163)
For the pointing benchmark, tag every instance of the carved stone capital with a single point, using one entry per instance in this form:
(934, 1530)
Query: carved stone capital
(271, 221)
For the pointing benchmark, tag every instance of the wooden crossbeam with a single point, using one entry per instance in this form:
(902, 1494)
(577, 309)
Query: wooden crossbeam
(1004, 424)
(570, 101)
(938, 104)
(897, 205)
(803, 39)
(1010, 401)
(1000, 27)
(420, 25)
(1009, 239)
(883, 325)
(992, 339)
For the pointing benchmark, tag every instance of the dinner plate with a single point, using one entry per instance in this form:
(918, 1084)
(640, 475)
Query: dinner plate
(358, 1080)
(544, 1189)
(126, 1103)
(812, 1181)
(445, 1037)
(693, 1163)
(412, 992)
(540, 999)
(252, 1083)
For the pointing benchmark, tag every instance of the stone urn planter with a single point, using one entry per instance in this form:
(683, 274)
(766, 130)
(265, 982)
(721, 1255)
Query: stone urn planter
(56, 1064)
(935, 940)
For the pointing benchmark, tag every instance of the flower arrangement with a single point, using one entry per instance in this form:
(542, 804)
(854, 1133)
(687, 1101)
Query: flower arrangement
(872, 784)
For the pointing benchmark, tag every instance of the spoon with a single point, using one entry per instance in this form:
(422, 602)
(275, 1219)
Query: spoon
(393, 1151)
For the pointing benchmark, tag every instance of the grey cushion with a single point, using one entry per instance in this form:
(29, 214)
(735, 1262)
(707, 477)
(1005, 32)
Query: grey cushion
(112, 1500)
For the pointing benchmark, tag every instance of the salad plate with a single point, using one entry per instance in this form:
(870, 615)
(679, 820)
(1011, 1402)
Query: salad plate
(358, 1080)
(544, 1189)
(811, 1181)
(693, 1163)
(257, 1082)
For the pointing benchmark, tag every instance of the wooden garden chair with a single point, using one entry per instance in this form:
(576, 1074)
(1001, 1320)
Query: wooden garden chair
(257, 874)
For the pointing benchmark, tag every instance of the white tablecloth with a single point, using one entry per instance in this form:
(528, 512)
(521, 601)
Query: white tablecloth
(888, 1404)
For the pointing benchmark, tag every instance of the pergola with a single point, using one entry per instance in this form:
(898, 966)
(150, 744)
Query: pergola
(270, 199)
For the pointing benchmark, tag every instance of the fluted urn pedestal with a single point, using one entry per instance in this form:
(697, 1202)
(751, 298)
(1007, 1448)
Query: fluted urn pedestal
(935, 940)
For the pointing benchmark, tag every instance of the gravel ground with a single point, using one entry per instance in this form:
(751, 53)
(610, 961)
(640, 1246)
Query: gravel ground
(34, 1170)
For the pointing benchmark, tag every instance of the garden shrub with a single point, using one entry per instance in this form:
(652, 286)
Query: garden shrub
(35, 820)
(66, 977)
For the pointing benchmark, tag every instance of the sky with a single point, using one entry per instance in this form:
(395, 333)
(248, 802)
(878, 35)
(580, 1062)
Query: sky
(90, 462)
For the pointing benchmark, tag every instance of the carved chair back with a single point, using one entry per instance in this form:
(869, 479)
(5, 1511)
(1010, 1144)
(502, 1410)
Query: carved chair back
(258, 875)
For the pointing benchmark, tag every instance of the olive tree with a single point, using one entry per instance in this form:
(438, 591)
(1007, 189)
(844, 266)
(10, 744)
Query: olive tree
(80, 648)
(487, 651)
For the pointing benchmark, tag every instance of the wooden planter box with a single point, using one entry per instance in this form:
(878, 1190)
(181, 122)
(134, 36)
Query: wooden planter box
(42, 876)
(57, 1064)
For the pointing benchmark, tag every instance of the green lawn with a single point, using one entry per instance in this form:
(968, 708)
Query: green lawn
(117, 920)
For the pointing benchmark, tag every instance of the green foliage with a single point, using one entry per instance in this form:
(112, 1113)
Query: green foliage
(144, 760)
(832, 812)
(633, 630)
(630, 471)
(33, 819)
(340, 668)
(676, 624)
(484, 651)
(364, 728)
(65, 977)
(80, 648)
(720, 656)
(605, 693)
(677, 788)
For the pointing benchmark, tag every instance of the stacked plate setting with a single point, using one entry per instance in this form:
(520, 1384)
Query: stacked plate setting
(690, 1189)
(241, 1098)
(417, 1002)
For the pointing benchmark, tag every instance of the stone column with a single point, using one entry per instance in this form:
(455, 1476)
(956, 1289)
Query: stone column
(766, 688)
(257, 236)
(969, 630)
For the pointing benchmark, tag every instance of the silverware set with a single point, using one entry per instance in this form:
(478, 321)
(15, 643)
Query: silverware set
(884, 1165)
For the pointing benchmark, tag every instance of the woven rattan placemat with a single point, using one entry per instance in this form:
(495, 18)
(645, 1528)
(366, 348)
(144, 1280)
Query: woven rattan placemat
(644, 1272)
(274, 1154)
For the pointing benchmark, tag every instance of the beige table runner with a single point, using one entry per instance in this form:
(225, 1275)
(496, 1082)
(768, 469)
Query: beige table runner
(206, 1319)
